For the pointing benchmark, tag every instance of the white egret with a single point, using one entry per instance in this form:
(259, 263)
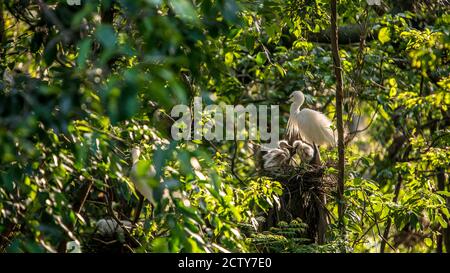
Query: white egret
(110, 227)
(140, 178)
(305, 151)
(277, 157)
(306, 124)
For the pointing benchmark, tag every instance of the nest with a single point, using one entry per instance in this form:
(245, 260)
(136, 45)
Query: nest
(109, 237)
(107, 244)
(305, 191)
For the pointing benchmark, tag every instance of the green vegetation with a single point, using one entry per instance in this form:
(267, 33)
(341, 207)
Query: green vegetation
(82, 85)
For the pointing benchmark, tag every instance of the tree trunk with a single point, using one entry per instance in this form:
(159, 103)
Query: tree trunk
(339, 106)
(322, 221)
(2, 32)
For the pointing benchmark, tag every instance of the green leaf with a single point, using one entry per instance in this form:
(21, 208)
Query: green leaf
(83, 53)
(280, 70)
(160, 245)
(230, 11)
(106, 35)
(446, 212)
(441, 221)
(384, 35)
(250, 43)
(261, 58)
(229, 57)
(367, 161)
(392, 92)
(184, 9)
(428, 242)
(445, 193)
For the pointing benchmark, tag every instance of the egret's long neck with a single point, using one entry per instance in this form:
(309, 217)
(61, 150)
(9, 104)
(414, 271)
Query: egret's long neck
(295, 106)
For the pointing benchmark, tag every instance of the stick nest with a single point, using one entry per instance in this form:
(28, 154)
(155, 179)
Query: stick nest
(305, 191)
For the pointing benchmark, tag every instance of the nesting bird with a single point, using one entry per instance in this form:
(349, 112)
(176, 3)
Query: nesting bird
(110, 227)
(309, 125)
(140, 179)
(277, 157)
(284, 154)
(305, 151)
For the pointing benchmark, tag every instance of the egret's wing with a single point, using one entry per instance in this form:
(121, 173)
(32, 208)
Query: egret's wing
(325, 129)
(274, 151)
(316, 127)
(306, 130)
(293, 127)
(275, 158)
(140, 182)
(270, 163)
(269, 158)
(267, 163)
(328, 136)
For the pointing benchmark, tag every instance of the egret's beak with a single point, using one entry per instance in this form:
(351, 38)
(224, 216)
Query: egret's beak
(285, 144)
(289, 146)
(291, 98)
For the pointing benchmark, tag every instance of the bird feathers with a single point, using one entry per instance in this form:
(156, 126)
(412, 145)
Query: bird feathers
(315, 127)
(305, 151)
(304, 126)
(276, 158)
(142, 172)
(309, 125)
(284, 155)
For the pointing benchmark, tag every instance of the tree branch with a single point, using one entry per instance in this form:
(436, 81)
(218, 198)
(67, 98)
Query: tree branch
(339, 106)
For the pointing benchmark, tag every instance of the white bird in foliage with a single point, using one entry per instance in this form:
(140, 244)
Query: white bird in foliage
(306, 124)
(140, 177)
(277, 157)
(305, 151)
(73, 247)
(110, 227)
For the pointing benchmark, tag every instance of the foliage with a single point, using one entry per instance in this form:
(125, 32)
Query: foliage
(82, 85)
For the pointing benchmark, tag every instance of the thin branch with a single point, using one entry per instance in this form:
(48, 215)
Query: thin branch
(351, 135)
(389, 221)
(113, 215)
(233, 171)
(50, 15)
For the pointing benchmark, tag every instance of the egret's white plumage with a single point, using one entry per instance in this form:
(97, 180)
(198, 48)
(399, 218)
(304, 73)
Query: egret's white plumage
(73, 247)
(110, 227)
(305, 151)
(277, 157)
(311, 126)
(140, 180)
